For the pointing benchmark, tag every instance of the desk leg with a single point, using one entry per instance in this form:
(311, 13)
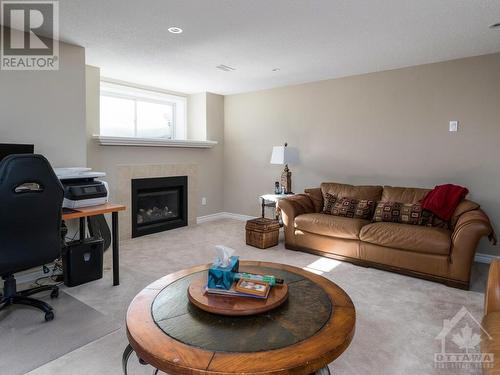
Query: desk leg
(81, 229)
(116, 260)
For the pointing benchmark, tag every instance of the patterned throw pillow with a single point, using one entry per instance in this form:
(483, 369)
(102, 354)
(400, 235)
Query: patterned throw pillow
(351, 207)
(364, 209)
(329, 201)
(405, 213)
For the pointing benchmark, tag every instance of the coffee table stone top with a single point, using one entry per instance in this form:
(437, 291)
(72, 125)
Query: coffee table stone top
(312, 328)
(306, 311)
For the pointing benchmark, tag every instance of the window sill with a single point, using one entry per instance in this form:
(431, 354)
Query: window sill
(104, 140)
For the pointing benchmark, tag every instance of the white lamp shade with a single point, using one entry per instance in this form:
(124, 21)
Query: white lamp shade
(284, 155)
(278, 155)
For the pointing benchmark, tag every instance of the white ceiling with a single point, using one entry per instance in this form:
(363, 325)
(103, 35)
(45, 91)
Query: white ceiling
(308, 40)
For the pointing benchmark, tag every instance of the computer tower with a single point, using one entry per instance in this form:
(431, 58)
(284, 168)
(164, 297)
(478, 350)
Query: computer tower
(82, 261)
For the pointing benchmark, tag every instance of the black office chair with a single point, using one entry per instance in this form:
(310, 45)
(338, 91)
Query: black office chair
(31, 199)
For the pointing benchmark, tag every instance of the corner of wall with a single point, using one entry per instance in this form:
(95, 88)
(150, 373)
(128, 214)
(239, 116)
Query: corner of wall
(92, 94)
(197, 116)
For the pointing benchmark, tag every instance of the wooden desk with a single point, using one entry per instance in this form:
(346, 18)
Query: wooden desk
(83, 212)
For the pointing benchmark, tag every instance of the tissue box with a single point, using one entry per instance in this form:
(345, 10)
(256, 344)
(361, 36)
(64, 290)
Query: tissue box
(223, 277)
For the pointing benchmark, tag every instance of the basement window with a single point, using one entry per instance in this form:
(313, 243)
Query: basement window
(131, 112)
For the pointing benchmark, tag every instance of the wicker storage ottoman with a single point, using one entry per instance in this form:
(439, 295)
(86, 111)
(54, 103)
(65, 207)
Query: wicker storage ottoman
(262, 232)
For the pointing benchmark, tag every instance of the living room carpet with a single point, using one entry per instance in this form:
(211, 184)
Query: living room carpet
(27, 341)
(398, 317)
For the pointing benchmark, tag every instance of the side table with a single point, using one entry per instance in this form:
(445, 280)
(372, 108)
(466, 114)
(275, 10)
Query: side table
(270, 200)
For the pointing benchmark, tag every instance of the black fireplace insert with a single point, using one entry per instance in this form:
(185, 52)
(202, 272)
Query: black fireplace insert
(158, 204)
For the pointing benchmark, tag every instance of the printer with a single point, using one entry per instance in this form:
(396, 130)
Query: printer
(82, 187)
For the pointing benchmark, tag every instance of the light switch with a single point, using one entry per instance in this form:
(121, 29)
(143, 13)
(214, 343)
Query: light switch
(453, 126)
(203, 201)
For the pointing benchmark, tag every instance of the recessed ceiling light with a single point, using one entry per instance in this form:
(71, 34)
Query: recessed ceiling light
(175, 30)
(276, 69)
(495, 26)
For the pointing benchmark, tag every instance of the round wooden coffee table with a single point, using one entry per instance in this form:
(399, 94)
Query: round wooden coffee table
(311, 329)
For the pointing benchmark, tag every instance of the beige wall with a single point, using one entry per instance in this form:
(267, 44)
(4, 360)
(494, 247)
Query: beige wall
(214, 176)
(197, 116)
(47, 108)
(208, 161)
(382, 128)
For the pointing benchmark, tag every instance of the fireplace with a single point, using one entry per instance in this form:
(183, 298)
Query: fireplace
(158, 204)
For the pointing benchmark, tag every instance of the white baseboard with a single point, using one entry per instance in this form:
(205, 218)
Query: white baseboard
(485, 258)
(211, 217)
(239, 217)
(223, 215)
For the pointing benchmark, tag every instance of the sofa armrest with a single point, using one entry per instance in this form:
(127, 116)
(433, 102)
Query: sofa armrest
(463, 207)
(492, 294)
(490, 342)
(316, 197)
(290, 208)
(469, 229)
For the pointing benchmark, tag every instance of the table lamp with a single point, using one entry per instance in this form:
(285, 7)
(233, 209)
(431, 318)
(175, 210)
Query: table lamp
(283, 155)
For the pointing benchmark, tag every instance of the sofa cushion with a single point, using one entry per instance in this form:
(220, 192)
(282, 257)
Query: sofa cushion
(406, 213)
(416, 238)
(359, 192)
(349, 207)
(328, 225)
(403, 194)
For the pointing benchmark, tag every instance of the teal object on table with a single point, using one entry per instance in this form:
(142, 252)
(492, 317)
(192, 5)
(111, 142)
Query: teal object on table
(220, 277)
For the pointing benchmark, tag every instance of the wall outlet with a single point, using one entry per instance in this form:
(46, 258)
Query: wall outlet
(203, 201)
(453, 126)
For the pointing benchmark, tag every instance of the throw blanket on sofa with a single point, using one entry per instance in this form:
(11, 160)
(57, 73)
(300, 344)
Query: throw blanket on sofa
(444, 199)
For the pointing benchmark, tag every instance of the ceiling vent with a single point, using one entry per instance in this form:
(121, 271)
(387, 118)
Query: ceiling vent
(225, 68)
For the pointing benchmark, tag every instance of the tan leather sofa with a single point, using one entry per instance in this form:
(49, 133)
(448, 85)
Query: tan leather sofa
(491, 320)
(443, 255)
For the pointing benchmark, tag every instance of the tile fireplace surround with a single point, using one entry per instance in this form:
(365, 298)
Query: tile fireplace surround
(122, 192)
